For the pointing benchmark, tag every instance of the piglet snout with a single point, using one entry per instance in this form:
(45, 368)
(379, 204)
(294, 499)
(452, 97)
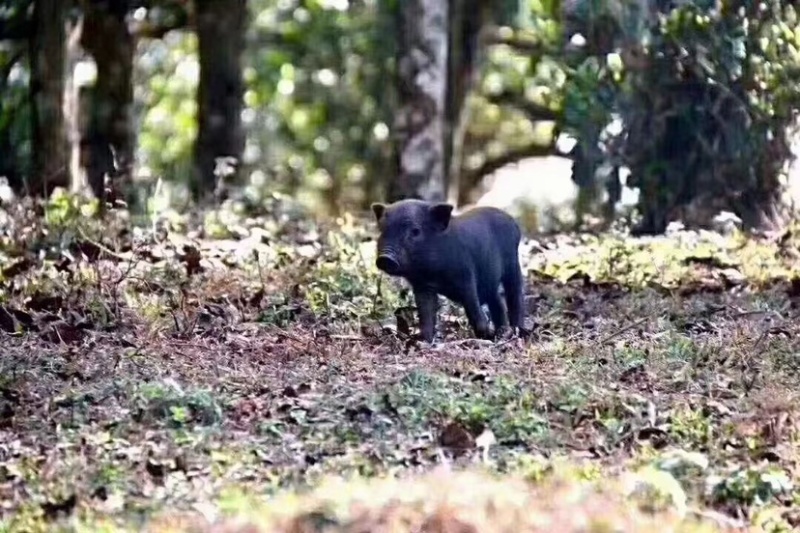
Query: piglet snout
(387, 264)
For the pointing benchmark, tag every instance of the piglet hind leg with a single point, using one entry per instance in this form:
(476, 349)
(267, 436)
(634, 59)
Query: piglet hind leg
(513, 284)
(475, 315)
(427, 306)
(497, 310)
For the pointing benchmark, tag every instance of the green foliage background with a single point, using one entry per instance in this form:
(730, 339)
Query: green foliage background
(705, 112)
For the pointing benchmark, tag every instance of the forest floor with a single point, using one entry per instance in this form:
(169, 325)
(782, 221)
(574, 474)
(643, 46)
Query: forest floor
(206, 378)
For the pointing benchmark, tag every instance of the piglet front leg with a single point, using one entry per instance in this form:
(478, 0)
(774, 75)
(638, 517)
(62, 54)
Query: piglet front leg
(427, 306)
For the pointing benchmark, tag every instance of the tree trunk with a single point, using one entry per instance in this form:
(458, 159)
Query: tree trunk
(50, 167)
(457, 89)
(111, 134)
(221, 27)
(11, 165)
(467, 18)
(422, 90)
(74, 111)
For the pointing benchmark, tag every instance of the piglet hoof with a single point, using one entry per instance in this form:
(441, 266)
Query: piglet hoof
(484, 333)
(525, 333)
(505, 333)
(424, 343)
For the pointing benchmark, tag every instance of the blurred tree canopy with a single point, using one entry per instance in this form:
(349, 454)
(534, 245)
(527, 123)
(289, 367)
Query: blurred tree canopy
(239, 99)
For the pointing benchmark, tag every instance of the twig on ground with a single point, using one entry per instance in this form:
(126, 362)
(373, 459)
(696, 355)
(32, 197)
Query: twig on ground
(627, 328)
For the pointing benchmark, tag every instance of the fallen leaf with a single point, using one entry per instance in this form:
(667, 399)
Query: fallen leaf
(456, 437)
(15, 269)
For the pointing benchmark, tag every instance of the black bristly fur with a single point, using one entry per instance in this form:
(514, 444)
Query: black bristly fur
(465, 258)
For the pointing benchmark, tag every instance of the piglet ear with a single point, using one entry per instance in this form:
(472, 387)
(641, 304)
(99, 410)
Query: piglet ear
(440, 215)
(378, 210)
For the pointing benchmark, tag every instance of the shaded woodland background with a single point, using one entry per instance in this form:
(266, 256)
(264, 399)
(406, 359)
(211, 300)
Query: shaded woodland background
(338, 103)
(192, 322)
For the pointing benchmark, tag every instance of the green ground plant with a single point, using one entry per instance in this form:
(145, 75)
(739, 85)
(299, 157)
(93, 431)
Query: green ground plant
(172, 381)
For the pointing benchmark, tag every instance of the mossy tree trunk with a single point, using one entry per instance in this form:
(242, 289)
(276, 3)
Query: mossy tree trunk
(419, 127)
(221, 26)
(50, 164)
(108, 147)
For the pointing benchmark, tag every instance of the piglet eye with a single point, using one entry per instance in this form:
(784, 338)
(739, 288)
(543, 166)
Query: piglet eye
(415, 232)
